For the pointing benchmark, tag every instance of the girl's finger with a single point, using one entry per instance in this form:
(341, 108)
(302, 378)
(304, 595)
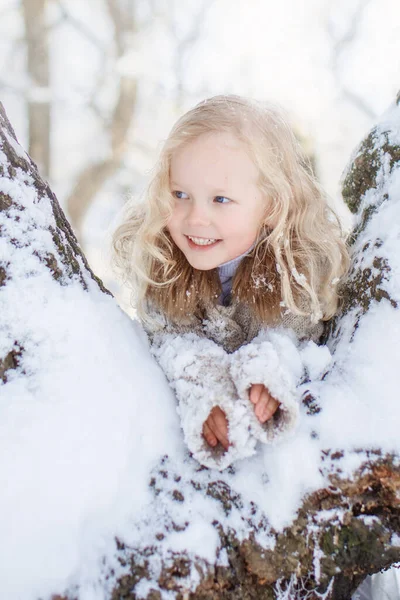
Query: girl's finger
(260, 407)
(269, 408)
(255, 392)
(208, 435)
(219, 426)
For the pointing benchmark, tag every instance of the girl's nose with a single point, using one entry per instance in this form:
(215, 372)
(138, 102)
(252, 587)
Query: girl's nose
(198, 215)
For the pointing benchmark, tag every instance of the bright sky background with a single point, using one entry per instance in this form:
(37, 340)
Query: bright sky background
(335, 66)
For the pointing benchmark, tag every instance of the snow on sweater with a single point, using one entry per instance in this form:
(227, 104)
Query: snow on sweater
(214, 361)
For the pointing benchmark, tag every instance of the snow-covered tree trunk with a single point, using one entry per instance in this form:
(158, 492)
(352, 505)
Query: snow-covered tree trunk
(307, 519)
(64, 258)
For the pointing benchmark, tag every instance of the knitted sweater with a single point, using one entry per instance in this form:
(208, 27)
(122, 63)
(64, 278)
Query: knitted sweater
(214, 361)
(226, 271)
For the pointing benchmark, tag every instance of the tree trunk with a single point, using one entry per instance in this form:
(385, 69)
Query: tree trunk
(92, 178)
(342, 531)
(34, 12)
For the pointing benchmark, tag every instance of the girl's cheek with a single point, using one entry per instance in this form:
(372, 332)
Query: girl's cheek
(175, 214)
(178, 210)
(171, 223)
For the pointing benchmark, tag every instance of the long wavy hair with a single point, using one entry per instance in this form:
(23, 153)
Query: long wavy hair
(299, 256)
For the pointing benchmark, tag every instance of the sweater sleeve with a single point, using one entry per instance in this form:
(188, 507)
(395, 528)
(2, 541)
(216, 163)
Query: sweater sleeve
(274, 358)
(197, 369)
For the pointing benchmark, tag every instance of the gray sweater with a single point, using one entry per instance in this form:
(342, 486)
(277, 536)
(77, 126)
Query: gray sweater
(226, 272)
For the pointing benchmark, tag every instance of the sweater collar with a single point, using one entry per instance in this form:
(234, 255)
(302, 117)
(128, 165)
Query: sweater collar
(227, 270)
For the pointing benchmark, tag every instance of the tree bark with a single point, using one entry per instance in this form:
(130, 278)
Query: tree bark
(316, 556)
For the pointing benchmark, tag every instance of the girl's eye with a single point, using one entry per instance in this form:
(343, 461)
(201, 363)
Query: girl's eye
(222, 199)
(180, 195)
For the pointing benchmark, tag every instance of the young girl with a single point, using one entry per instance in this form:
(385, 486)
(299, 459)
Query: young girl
(234, 260)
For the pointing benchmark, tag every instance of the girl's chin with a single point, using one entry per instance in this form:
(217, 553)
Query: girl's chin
(201, 262)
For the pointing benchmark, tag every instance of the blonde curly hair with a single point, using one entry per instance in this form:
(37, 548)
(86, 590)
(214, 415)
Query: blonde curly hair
(296, 264)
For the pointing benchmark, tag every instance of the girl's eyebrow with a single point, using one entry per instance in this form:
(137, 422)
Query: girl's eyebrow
(217, 191)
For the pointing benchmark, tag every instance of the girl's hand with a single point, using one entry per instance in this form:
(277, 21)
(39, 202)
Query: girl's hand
(265, 406)
(215, 429)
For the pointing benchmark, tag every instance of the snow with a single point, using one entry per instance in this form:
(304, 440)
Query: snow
(71, 432)
(17, 148)
(87, 417)
(316, 359)
(197, 535)
(71, 427)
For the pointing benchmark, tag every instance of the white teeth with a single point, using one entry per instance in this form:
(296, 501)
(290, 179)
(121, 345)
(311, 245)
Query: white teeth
(201, 241)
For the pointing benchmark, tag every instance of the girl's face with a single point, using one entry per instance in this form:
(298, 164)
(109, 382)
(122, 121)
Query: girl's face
(218, 206)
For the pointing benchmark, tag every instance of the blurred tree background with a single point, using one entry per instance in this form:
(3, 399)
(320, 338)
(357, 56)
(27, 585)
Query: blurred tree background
(92, 88)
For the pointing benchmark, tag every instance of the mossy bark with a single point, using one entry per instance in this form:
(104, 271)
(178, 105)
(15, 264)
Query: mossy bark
(364, 192)
(350, 548)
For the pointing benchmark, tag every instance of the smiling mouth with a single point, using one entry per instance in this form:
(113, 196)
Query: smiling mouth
(202, 241)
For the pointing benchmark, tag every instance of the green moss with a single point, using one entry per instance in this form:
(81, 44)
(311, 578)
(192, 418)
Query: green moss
(365, 286)
(365, 218)
(327, 544)
(362, 175)
(393, 151)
